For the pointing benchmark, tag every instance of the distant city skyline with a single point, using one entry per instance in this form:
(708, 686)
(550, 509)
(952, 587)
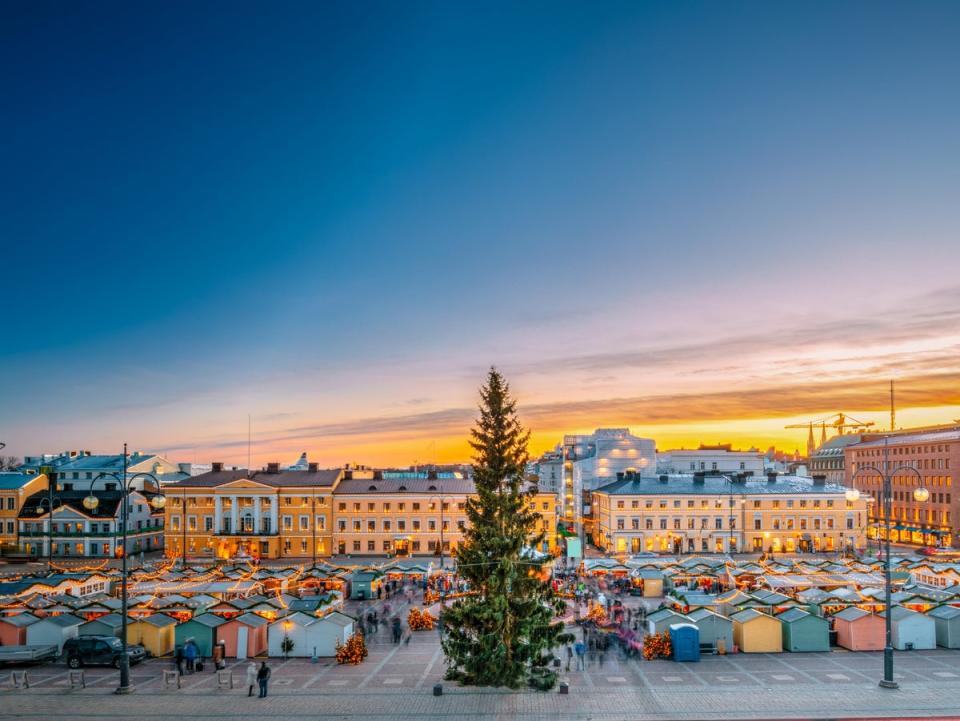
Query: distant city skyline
(702, 222)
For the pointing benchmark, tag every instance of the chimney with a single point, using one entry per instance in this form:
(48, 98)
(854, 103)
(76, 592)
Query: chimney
(664, 478)
(313, 467)
(819, 480)
(217, 466)
(347, 474)
(431, 475)
(619, 476)
(273, 468)
(699, 478)
(771, 478)
(378, 475)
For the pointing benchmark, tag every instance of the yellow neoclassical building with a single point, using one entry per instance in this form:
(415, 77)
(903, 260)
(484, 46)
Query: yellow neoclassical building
(276, 514)
(264, 514)
(710, 514)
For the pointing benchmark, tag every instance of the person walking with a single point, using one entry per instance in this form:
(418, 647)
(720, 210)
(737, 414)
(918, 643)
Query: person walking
(251, 677)
(178, 660)
(581, 651)
(190, 653)
(263, 677)
(569, 655)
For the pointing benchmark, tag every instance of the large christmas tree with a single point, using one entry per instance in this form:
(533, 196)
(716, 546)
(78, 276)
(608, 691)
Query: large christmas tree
(503, 634)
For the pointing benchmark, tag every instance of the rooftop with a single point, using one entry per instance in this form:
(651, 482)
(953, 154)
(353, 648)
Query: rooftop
(717, 485)
(12, 480)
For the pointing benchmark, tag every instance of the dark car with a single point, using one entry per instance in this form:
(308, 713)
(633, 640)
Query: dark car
(99, 651)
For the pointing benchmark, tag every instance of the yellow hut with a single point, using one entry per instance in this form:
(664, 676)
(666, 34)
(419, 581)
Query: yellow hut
(755, 632)
(155, 633)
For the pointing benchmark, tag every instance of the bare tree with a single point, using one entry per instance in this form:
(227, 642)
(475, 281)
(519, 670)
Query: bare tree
(9, 463)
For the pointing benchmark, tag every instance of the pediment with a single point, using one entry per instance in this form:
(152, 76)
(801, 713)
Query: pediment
(245, 484)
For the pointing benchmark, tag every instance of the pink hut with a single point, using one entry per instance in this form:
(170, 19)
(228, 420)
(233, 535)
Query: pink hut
(13, 629)
(859, 630)
(244, 636)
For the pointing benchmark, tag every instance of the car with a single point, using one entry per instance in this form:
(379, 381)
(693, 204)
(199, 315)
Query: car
(100, 651)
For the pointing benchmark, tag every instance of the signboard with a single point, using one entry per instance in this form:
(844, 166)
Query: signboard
(573, 548)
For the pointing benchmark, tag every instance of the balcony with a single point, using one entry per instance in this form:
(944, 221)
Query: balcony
(235, 534)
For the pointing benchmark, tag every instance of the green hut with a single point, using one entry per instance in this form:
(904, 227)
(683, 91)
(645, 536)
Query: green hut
(803, 632)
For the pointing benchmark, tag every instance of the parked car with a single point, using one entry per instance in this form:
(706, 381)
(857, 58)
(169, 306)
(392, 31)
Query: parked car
(99, 651)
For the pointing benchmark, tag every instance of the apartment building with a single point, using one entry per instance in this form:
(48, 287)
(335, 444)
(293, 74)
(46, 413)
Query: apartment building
(701, 513)
(15, 488)
(926, 458)
(73, 529)
(415, 514)
(230, 513)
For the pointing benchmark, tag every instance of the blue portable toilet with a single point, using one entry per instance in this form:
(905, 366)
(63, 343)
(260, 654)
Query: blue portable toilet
(685, 639)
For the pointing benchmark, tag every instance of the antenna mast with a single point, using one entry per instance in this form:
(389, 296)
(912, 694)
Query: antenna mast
(893, 410)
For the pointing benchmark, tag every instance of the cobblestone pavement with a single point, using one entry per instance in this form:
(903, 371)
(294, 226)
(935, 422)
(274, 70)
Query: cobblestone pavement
(395, 682)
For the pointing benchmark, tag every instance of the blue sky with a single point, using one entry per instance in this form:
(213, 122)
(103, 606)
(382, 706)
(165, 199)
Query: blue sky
(324, 214)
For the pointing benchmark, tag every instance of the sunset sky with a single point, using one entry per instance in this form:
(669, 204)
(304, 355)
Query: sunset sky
(701, 221)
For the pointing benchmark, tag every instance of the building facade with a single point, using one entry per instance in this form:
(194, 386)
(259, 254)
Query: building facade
(931, 455)
(298, 514)
(73, 530)
(829, 460)
(410, 514)
(83, 470)
(719, 459)
(593, 460)
(15, 488)
(708, 514)
(264, 514)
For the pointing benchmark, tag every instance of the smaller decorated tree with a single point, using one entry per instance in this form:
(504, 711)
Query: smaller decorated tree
(420, 620)
(353, 651)
(657, 646)
(597, 615)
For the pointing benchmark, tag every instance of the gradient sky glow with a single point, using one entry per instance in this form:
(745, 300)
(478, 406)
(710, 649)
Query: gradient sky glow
(699, 220)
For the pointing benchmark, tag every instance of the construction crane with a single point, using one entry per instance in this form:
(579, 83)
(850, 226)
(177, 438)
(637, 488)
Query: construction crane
(840, 422)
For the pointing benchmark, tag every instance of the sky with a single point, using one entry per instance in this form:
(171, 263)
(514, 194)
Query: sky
(702, 221)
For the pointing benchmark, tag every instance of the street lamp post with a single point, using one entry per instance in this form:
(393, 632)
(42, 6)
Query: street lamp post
(49, 500)
(920, 494)
(90, 503)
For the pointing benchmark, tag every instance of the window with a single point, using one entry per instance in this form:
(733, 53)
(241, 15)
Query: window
(356, 509)
(401, 524)
(208, 523)
(690, 503)
(371, 545)
(619, 524)
(287, 523)
(635, 524)
(321, 522)
(776, 504)
(386, 508)
(691, 523)
(341, 506)
(304, 523)
(432, 524)
(174, 523)
(663, 524)
(341, 525)
(756, 504)
(303, 545)
(386, 524)
(676, 524)
(356, 546)
(371, 507)
(619, 505)
(371, 526)
(648, 524)
(401, 507)
(713, 466)
(718, 522)
(416, 524)
(743, 466)
(191, 523)
(416, 506)
(356, 526)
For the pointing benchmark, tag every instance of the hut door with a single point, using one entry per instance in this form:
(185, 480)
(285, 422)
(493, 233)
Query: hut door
(242, 632)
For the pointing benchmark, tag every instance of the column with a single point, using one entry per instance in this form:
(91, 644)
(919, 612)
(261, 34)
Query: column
(256, 514)
(274, 514)
(217, 514)
(234, 514)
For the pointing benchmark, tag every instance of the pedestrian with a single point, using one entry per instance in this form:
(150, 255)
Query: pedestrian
(190, 653)
(251, 677)
(569, 655)
(397, 630)
(581, 652)
(263, 677)
(178, 660)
